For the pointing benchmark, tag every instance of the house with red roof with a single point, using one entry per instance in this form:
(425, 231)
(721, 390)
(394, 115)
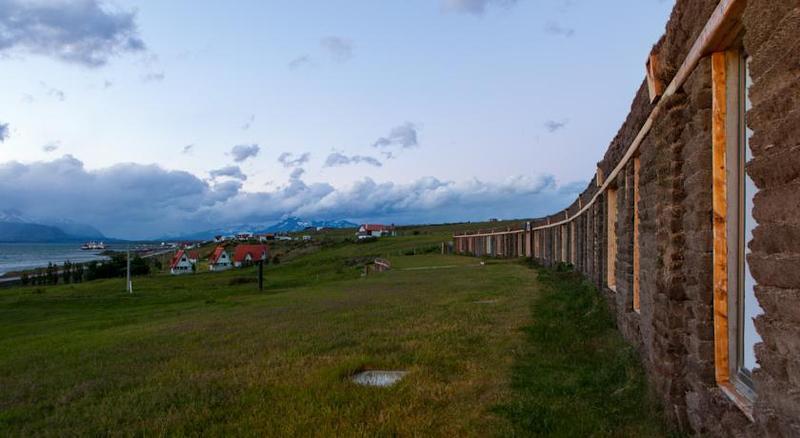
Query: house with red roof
(245, 255)
(181, 263)
(374, 230)
(220, 260)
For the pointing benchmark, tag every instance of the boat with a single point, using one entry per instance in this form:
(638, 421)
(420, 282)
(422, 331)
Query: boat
(93, 246)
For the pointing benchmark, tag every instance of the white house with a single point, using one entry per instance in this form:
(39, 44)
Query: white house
(219, 260)
(181, 264)
(374, 230)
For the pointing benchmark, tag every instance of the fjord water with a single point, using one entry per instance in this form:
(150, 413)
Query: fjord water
(20, 256)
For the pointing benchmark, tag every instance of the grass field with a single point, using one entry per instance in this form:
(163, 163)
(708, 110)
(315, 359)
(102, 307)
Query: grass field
(210, 354)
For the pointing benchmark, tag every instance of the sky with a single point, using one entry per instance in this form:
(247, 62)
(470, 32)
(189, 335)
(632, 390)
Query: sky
(148, 118)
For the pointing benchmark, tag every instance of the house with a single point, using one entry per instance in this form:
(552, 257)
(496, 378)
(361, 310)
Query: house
(181, 264)
(374, 230)
(219, 260)
(194, 256)
(244, 236)
(245, 255)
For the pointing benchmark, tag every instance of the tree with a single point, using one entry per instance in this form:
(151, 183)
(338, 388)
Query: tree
(66, 272)
(77, 273)
(25, 279)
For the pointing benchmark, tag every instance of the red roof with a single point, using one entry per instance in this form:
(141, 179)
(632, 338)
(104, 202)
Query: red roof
(176, 258)
(376, 227)
(217, 253)
(257, 252)
(194, 255)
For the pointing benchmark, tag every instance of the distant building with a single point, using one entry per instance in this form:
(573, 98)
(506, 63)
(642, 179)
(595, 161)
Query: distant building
(244, 236)
(374, 230)
(181, 264)
(245, 255)
(219, 260)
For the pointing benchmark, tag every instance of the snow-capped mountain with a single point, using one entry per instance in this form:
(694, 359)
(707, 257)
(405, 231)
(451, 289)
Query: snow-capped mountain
(288, 225)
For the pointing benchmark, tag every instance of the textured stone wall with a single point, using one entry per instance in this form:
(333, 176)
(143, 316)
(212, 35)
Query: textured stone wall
(674, 328)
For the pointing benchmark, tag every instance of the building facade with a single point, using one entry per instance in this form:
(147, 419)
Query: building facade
(691, 224)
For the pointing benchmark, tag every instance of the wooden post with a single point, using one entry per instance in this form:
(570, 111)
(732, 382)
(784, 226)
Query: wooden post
(720, 213)
(261, 275)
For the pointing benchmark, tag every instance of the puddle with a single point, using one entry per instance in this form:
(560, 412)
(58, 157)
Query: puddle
(378, 377)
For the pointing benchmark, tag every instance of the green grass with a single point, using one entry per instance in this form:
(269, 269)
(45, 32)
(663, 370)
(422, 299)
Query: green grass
(210, 354)
(576, 376)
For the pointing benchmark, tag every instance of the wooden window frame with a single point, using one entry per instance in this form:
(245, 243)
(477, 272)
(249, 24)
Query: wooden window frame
(611, 233)
(728, 73)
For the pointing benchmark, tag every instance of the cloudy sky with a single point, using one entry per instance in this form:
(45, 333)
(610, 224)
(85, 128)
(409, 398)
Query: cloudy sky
(151, 117)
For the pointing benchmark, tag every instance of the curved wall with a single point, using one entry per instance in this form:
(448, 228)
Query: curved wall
(658, 272)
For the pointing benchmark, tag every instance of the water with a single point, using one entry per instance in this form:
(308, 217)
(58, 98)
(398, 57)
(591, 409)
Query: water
(21, 256)
(378, 377)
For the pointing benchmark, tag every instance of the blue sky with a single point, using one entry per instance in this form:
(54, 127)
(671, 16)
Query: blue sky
(184, 115)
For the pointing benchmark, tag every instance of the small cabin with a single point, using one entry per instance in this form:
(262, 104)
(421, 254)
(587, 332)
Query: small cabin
(219, 260)
(245, 255)
(181, 263)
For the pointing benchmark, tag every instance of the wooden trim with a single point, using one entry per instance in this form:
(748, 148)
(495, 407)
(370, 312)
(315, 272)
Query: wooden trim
(719, 135)
(636, 251)
(611, 239)
(723, 21)
(654, 85)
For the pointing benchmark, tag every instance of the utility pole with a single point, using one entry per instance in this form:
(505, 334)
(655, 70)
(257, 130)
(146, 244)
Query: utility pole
(261, 275)
(129, 284)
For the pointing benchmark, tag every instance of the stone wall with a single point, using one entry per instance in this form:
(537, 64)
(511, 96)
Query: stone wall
(674, 326)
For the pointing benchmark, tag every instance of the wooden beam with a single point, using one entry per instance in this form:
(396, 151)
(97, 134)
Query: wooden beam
(654, 85)
(636, 252)
(719, 72)
(716, 31)
(611, 246)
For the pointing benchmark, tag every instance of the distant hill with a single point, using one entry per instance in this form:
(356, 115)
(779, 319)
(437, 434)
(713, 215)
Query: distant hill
(288, 225)
(16, 227)
(22, 232)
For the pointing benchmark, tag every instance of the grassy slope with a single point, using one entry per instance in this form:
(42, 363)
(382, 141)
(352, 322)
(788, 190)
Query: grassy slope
(209, 354)
(576, 376)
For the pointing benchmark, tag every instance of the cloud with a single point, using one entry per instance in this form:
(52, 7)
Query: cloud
(404, 136)
(82, 32)
(340, 49)
(153, 77)
(300, 62)
(188, 149)
(554, 28)
(230, 171)
(50, 147)
(28, 98)
(3, 132)
(553, 126)
(336, 159)
(243, 151)
(107, 84)
(475, 7)
(290, 160)
(147, 201)
(249, 122)
(125, 199)
(53, 92)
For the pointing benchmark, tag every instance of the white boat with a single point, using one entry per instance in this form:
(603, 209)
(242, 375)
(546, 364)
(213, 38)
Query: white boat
(93, 246)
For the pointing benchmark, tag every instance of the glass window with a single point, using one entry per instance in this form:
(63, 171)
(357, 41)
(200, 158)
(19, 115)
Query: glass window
(749, 307)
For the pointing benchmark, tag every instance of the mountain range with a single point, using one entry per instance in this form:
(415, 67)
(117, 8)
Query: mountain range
(288, 225)
(16, 227)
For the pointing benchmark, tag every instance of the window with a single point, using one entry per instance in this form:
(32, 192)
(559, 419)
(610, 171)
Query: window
(735, 304)
(611, 253)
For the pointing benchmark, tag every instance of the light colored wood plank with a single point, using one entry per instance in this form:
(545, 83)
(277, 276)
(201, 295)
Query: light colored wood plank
(611, 233)
(719, 71)
(636, 251)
